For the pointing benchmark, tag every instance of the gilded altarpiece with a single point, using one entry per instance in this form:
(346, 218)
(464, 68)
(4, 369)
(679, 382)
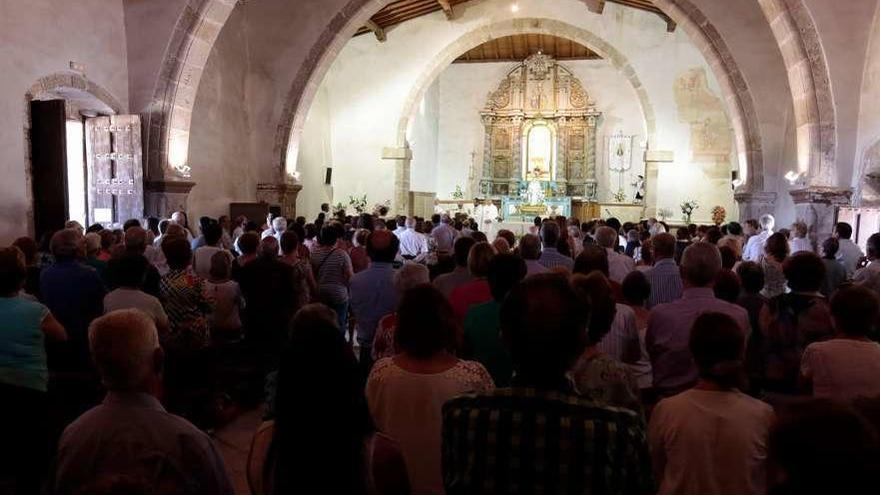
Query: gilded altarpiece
(538, 93)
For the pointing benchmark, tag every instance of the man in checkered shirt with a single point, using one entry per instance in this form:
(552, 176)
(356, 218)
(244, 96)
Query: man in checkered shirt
(538, 436)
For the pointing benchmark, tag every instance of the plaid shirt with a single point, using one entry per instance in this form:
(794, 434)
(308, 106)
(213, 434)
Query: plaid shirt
(523, 440)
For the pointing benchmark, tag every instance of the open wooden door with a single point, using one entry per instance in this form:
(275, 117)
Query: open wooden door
(115, 170)
(48, 166)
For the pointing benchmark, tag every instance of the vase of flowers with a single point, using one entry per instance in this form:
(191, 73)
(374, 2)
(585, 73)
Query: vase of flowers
(458, 195)
(718, 215)
(687, 210)
(358, 203)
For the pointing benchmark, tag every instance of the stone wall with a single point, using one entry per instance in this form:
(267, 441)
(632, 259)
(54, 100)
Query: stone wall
(39, 38)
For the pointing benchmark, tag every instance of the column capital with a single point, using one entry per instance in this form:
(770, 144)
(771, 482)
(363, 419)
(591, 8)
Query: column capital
(283, 194)
(755, 197)
(832, 196)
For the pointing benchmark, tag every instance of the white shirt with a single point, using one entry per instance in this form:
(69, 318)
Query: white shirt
(409, 407)
(227, 300)
(622, 341)
(848, 255)
(843, 369)
(123, 298)
(710, 443)
(399, 230)
(202, 259)
(799, 244)
(413, 244)
(754, 249)
(619, 265)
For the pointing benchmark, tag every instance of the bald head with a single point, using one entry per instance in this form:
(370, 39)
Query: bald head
(125, 348)
(700, 264)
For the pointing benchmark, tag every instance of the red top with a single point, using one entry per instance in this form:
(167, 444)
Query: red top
(466, 295)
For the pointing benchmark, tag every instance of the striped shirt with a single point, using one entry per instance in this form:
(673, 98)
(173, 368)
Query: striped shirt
(551, 258)
(525, 440)
(665, 280)
(331, 265)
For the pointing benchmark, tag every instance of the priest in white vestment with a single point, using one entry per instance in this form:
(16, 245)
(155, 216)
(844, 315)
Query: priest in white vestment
(486, 215)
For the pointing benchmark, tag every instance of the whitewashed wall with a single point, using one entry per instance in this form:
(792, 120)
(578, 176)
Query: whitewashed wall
(39, 38)
(369, 83)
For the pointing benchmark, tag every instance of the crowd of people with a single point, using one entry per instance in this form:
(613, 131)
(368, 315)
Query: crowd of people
(397, 355)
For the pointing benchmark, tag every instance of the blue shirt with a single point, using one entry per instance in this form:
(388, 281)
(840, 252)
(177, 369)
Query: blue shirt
(551, 258)
(665, 280)
(22, 353)
(75, 295)
(373, 296)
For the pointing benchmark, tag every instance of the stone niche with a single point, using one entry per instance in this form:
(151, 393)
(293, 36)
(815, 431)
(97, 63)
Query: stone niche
(539, 93)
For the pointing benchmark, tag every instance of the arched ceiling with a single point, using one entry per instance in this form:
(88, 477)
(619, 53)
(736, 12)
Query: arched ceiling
(401, 11)
(518, 47)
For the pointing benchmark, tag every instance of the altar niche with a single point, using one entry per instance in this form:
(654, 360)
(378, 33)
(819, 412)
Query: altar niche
(540, 125)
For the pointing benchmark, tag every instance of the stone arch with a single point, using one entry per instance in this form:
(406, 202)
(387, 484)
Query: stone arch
(198, 26)
(809, 80)
(201, 21)
(734, 88)
(51, 85)
(527, 25)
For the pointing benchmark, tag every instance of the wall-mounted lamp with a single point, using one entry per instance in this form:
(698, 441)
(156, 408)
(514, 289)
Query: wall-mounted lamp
(514, 7)
(795, 178)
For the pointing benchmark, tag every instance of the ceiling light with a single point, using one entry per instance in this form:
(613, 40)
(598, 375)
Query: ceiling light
(514, 7)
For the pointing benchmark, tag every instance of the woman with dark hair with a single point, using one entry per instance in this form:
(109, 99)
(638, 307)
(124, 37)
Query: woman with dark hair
(406, 392)
(25, 326)
(712, 438)
(303, 277)
(597, 374)
(790, 322)
(330, 446)
(835, 273)
(847, 366)
(822, 447)
(635, 290)
(775, 252)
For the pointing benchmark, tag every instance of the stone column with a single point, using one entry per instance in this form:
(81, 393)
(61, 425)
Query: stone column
(283, 194)
(753, 204)
(817, 207)
(402, 158)
(592, 185)
(653, 159)
(164, 197)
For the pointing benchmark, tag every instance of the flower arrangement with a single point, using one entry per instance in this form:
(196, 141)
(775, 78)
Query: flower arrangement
(619, 196)
(718, 215)
(687, 210)
(359, 203)
(458, 193)
(339, 208)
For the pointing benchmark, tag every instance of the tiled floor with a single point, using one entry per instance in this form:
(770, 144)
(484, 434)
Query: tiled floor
(233, 441)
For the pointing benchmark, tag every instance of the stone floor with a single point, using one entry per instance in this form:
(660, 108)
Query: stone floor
(234, 441)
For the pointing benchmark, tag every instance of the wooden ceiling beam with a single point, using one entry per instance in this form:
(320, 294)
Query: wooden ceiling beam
(377, 30)
(647, 6)
(595, 6)
(447, 8)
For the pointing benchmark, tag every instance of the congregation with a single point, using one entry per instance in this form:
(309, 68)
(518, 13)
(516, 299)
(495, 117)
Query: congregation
(396, 355)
